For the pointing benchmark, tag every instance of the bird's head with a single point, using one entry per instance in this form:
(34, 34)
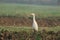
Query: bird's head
(30, 15)
(33, 14)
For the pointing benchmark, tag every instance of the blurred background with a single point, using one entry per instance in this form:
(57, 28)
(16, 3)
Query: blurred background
(38, 2)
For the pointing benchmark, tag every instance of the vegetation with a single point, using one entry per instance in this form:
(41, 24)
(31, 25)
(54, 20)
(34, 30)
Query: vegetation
(25, 33)
(25, 28)
(29, 35)
(21, 9)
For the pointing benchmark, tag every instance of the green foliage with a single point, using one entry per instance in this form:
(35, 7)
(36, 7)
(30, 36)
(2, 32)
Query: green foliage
(25, 9)
(26, 33)
(28, 29)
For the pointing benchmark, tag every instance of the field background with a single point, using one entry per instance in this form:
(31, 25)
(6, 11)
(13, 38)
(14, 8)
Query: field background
(11, 9)
(14, 13)
(15, 21)
(24, 10)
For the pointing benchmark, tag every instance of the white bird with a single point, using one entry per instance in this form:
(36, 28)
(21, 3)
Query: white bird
(34, 25)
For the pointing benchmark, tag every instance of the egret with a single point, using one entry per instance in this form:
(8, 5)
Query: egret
(34, 24)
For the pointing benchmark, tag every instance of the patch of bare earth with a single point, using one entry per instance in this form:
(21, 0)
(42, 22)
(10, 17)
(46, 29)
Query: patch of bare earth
(23, 21)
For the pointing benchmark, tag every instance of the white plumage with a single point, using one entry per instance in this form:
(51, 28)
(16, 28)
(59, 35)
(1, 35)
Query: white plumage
(34, 25)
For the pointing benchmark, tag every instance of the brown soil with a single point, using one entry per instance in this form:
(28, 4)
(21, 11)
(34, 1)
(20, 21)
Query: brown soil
(23, 21)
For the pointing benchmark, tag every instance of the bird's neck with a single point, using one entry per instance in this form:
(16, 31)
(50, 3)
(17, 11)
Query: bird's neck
(34, 18)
